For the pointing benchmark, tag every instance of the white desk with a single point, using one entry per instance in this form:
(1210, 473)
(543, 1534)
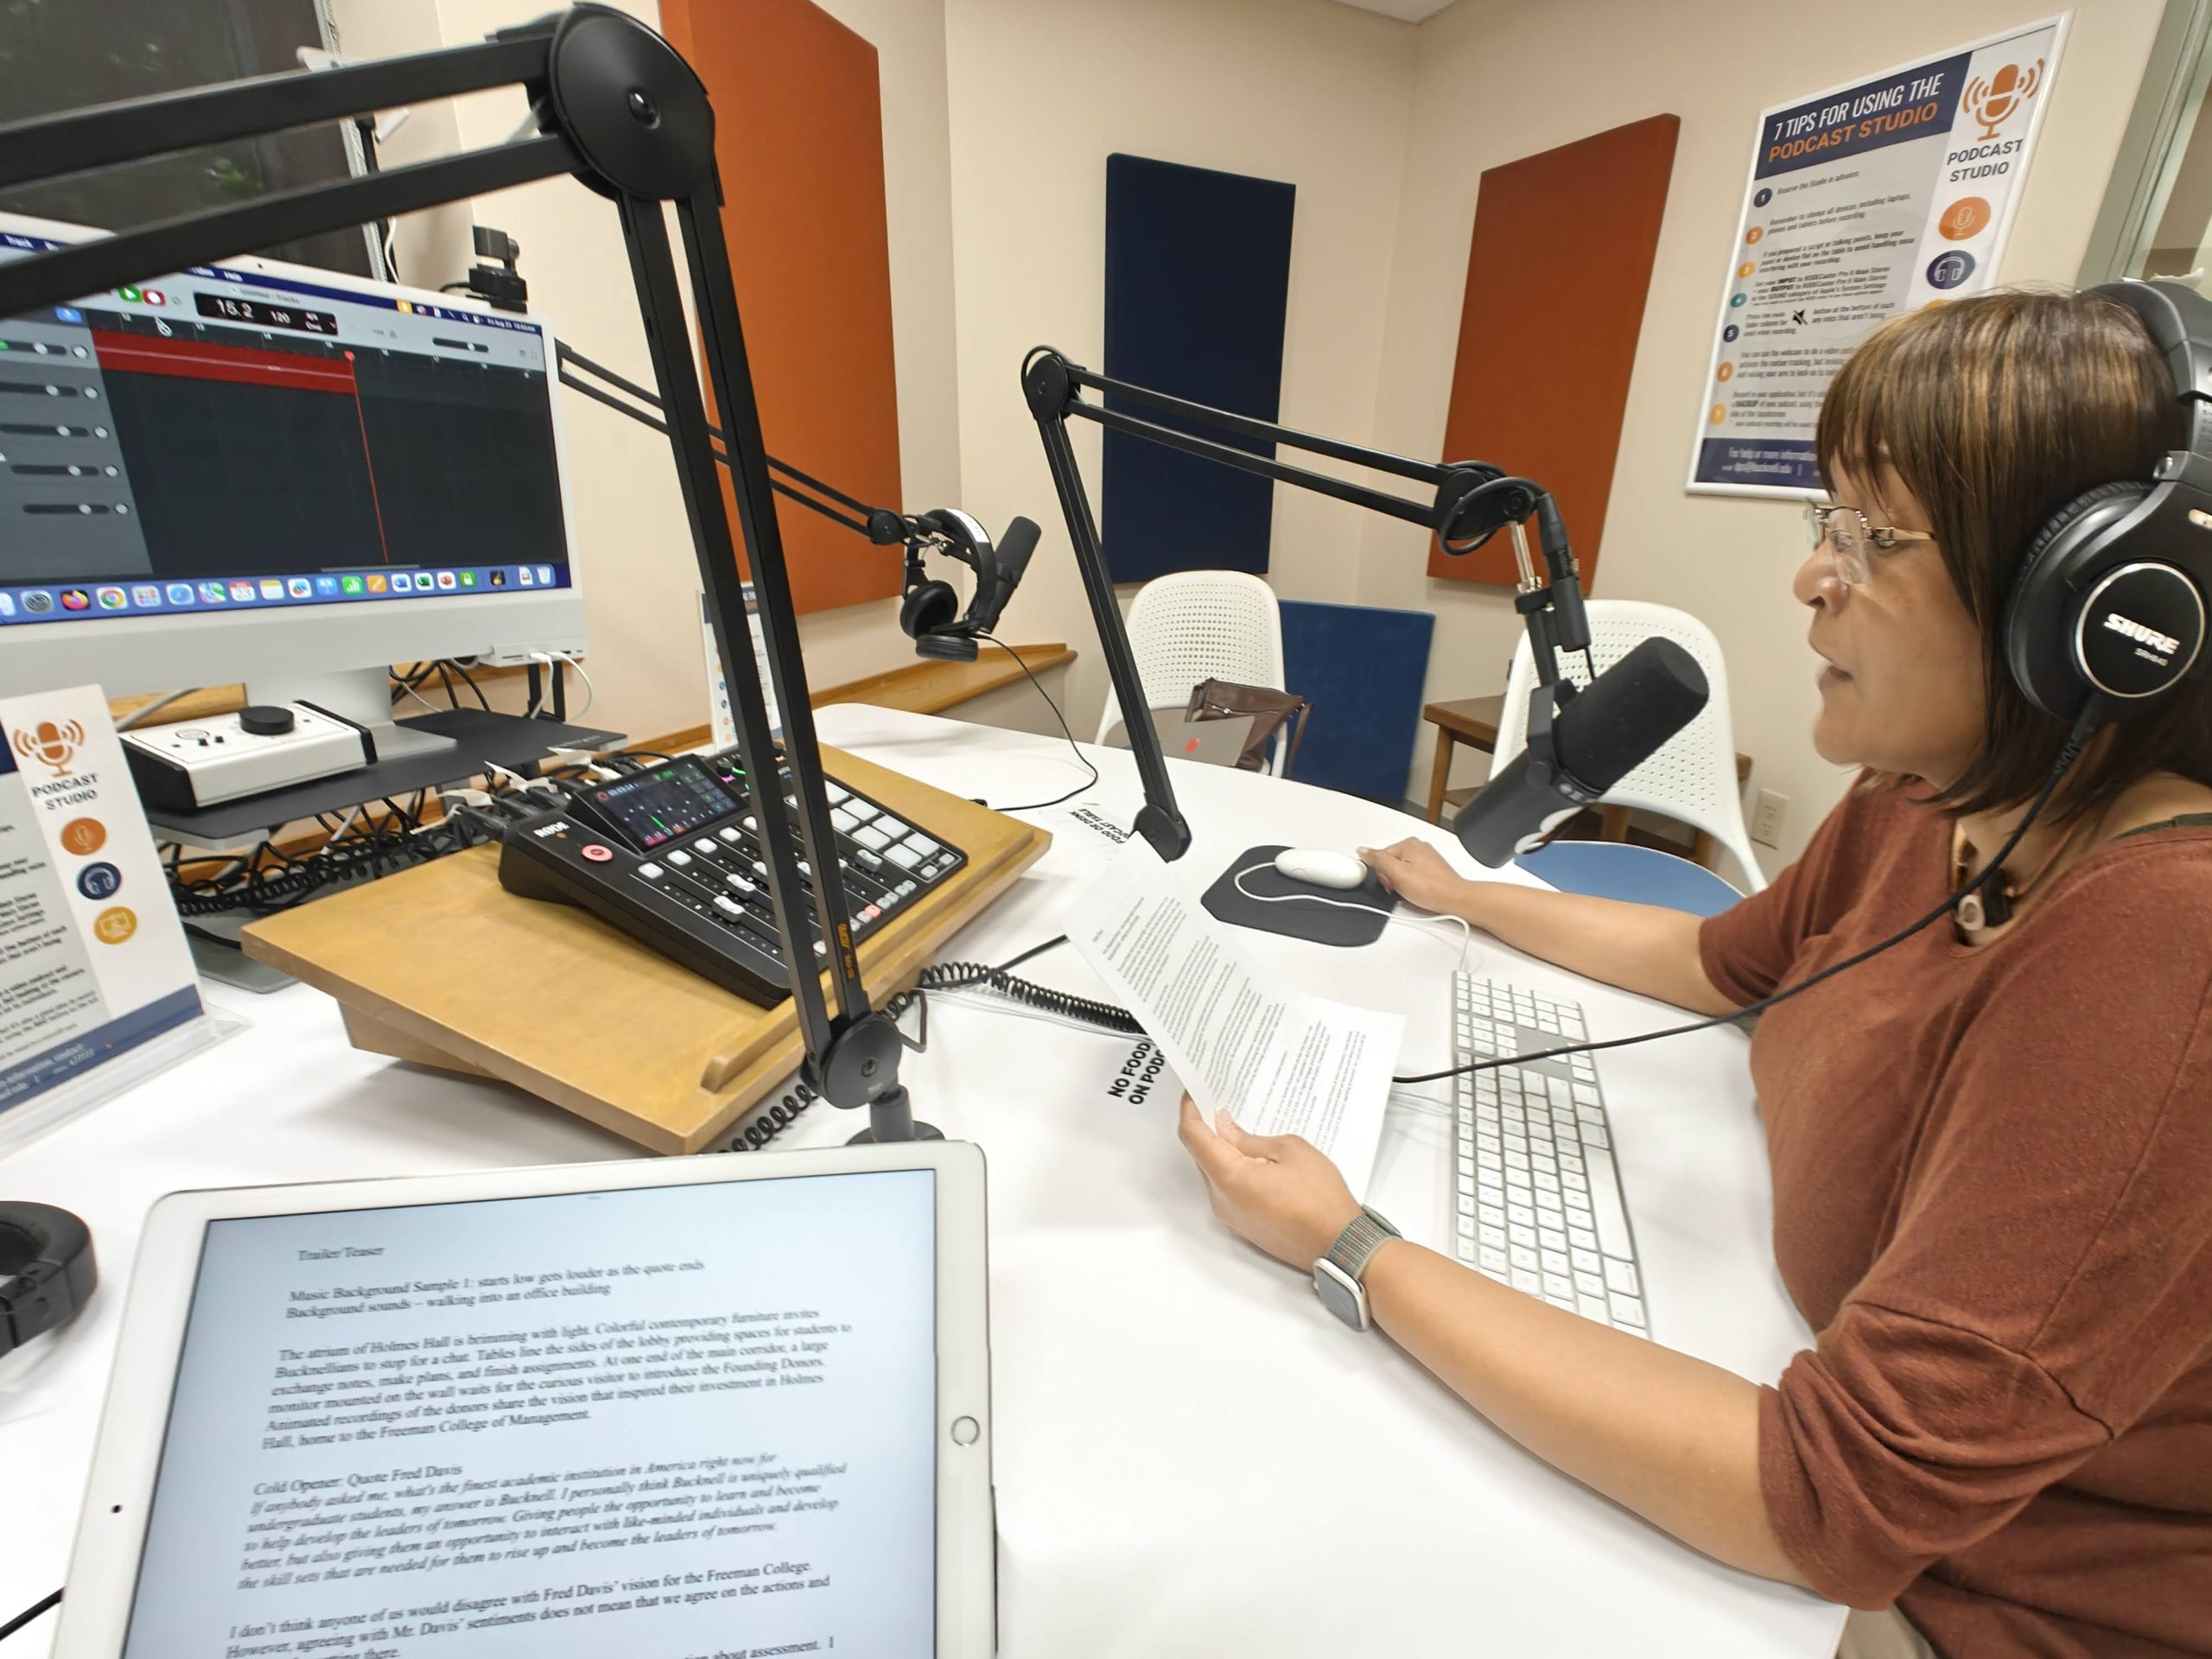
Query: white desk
(1193, 1456)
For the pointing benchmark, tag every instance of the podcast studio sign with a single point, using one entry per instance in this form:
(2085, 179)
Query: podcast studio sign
(1873, 199)
(93, 962)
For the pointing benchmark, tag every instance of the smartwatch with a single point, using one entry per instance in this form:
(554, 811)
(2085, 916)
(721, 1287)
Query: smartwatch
(1337, 1276)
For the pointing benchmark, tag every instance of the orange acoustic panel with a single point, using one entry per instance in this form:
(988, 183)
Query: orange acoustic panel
(1557, 274)
(798, 136)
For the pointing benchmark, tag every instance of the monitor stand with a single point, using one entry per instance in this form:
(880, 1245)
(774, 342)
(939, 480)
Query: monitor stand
(362, 695)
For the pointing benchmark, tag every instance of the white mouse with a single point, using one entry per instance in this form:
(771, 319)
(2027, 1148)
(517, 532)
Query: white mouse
(1320, 868)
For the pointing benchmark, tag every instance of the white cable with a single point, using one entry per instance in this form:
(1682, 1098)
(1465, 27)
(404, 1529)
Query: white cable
(420, 698)
(1406, 1100)
(1466, 933)
(591, 691)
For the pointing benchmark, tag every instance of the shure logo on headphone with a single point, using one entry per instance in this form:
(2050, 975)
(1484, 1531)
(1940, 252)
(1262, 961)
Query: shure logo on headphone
(2135, 631)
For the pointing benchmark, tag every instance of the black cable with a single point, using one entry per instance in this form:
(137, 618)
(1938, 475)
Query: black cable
(29, 1614)
(859, 526)
(469, 680)
(1072, 746)
(773, 1121)
(962, 975)
(410, 679)
(378, 849)
(2091, 718)
(1054, 942)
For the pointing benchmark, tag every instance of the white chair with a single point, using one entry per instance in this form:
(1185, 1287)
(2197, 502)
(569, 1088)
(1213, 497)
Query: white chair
(1199, 625)
(1693, 778)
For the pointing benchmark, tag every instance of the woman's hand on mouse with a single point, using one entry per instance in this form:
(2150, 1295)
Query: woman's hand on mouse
(1416, 872)
(1274, 1191)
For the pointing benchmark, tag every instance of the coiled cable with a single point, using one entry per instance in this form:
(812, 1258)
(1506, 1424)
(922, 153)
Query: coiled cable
(772, 1121)
(963, 976)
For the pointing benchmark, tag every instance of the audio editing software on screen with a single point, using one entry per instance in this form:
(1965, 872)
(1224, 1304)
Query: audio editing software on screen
(226, 439)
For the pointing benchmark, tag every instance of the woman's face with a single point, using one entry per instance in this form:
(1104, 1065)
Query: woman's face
(1901, 687)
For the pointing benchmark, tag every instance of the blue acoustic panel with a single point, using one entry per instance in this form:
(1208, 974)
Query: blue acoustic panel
(1362, 670)
(1197, 278)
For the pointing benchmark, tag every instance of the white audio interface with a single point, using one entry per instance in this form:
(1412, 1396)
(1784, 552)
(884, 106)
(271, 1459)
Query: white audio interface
(220, 758)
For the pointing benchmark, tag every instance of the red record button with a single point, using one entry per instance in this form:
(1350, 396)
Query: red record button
(597, 852)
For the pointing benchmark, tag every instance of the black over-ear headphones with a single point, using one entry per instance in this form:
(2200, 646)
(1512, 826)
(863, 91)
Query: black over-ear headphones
(2109, 599)
(47, 1271)
(930, 614)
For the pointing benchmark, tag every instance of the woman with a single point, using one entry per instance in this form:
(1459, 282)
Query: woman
(1991, 1148)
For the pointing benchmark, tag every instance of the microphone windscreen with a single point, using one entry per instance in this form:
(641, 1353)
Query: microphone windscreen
(1015, 546)
(1624, 716)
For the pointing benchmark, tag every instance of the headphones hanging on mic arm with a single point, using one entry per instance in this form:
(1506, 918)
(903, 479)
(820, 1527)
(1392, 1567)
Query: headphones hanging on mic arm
(47, 1270)
(2110, 598)
(930, 613)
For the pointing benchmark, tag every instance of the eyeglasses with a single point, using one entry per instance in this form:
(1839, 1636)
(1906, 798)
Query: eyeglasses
(1848, 535)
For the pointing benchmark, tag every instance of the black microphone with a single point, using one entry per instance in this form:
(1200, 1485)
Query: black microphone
(1014, 549)
(1620, 720)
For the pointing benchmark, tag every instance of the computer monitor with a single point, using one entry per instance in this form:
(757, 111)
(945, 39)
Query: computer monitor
(264, 473)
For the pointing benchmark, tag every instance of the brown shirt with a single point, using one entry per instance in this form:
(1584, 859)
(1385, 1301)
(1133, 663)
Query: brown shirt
(1993, 1199)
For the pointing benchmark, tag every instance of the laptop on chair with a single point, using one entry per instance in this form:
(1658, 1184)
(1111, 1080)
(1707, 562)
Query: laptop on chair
(1215, 742)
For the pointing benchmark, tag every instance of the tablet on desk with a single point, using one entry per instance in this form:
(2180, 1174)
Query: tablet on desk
(670, 1410)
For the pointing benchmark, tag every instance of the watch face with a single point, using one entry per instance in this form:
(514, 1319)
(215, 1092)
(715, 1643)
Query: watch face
(1340, 1294)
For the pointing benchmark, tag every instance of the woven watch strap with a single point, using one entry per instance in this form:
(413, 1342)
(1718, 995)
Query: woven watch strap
(1362, 1236)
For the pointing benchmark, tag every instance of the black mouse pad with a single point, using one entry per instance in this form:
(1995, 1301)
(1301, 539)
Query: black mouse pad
(1330, 923)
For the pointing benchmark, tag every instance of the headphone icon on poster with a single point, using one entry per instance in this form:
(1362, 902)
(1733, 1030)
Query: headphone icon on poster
(1995, 101)
(54, 746)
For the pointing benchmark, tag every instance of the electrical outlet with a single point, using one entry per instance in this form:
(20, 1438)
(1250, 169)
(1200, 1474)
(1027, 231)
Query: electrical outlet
(1766, 822)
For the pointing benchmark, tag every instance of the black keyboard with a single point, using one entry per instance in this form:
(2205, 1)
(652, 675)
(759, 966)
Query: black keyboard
(671, 855)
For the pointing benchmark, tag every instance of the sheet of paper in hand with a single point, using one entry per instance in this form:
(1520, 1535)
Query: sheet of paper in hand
(1277, 1061)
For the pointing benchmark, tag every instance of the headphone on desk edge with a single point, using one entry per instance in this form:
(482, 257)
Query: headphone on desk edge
(47, 1270)
(2109, 599)
(930, 613)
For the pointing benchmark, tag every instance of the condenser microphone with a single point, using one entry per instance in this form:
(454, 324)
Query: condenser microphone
(1619, 720)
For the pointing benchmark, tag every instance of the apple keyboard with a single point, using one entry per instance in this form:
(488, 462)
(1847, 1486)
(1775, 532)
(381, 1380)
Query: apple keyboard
(1539, 1205)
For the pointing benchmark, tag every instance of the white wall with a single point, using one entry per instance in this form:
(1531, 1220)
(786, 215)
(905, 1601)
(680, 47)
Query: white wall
(1041, 92)
(1579, 67)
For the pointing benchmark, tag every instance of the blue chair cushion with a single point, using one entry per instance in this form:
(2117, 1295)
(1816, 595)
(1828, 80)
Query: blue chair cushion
(1642, 875)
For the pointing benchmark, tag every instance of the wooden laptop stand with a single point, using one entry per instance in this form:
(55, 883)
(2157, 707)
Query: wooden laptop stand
(442, 966)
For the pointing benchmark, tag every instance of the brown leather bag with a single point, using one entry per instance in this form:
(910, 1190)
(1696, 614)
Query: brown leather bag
(1268, 707)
